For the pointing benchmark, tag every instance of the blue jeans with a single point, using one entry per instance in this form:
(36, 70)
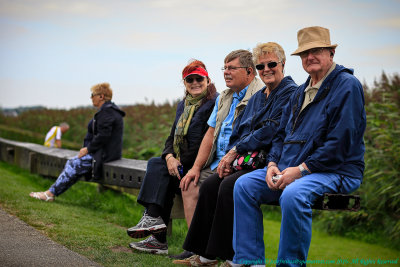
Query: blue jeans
(251, 190)
(74, 169)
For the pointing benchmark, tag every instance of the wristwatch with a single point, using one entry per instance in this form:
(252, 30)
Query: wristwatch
(303, 170)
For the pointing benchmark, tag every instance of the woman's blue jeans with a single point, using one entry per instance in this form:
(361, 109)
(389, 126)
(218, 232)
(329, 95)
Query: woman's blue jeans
(74, 169)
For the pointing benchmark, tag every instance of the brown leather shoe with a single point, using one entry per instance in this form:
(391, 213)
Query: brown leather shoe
(225, 264)
(185, 262)
(195, 261)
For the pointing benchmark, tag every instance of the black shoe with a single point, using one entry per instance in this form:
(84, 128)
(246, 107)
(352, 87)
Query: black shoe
(184, 255)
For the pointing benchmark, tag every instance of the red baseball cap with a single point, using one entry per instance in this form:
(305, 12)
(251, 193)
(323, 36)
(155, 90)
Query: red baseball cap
(199, 71)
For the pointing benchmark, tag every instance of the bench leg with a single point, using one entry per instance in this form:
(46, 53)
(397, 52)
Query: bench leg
(169, 228)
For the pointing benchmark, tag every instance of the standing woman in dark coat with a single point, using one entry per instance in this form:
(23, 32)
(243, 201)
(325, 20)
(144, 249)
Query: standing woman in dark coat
(103, 143)
(161, 181)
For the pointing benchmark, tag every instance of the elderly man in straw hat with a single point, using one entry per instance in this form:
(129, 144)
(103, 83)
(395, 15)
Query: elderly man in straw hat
(318, 149)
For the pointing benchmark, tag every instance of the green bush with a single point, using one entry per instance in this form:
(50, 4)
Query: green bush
(146, 127)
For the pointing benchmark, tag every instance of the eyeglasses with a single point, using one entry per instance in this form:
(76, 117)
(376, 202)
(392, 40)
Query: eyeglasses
(270, 65)
(92, 95)
(230, 68)
(198, 79)
(314, 51)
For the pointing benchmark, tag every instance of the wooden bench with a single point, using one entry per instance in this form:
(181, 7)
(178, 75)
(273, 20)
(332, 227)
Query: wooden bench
(124, 175)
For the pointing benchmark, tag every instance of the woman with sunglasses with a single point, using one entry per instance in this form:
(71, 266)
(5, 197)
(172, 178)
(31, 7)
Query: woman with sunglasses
(161, 181)
(211, 231)
(102, 143)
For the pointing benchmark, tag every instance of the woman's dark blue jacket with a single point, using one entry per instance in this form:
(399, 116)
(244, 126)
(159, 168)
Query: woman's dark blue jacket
(197, 129)
(257, 124)
(104, 137)
(328, 133)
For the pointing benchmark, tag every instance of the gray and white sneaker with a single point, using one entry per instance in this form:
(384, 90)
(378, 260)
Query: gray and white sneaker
(151, 245)
(146, 226)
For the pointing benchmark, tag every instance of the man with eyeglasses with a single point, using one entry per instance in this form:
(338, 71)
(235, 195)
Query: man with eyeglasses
(239, 74)
(318, 149)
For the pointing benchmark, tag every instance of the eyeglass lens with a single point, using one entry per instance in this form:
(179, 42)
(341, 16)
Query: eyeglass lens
(230, 68)
(191, 79)
(313, 51)
(270, 65)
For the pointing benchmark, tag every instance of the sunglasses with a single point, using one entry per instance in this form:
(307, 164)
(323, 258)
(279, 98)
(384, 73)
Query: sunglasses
(270, 65)
(191, 79)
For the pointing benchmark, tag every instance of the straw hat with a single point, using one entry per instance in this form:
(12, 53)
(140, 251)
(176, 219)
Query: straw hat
(313, 37)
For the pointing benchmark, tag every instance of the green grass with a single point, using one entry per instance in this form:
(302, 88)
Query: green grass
(329, 248)
(85, 221)
(94, 225)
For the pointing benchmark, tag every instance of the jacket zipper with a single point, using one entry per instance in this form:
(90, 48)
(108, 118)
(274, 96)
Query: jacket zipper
(295, 142)
(295, 121)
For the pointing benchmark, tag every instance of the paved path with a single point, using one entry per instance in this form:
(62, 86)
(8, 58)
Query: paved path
(22, 245)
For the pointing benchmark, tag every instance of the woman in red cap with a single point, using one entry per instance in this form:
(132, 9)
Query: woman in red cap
(161, 181)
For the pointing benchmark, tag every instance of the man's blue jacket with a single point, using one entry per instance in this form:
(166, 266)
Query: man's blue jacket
(328, 133)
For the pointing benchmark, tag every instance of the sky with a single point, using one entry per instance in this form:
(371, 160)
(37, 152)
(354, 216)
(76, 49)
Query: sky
(53, 51)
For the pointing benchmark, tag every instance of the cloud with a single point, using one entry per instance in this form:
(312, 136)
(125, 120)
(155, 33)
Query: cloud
(391, 22)
(42, 9)
(8, 29)
(389, 51)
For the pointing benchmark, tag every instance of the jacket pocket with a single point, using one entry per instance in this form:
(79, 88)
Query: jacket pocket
(293, 148)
